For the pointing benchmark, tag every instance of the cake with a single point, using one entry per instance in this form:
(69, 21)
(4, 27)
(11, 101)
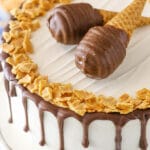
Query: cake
(77, 123)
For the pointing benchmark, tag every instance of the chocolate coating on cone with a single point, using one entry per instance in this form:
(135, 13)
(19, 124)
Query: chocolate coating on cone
(69, 23)
(101, 51)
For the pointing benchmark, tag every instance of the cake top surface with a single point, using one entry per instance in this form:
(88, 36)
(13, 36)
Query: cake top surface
(45, 67)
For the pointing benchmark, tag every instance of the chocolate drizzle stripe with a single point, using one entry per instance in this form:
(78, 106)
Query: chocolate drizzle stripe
(85, 141)
(6, 82)
(41, 116)
(12, 91)
(118, 137)
(143, 141)
(1, 69)
(60, 120)
(25, 106)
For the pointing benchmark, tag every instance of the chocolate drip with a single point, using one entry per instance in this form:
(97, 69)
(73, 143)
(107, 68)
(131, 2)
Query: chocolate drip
(143, 140)
(85, 141)
(60, 120)
(7, 87)
(12, 91)
(7, 71)
(1, 69)
(36, 99)
(41, 115)
(25, 106)
(68, 23)
(118, 138)
(119, 123)
(97, 55)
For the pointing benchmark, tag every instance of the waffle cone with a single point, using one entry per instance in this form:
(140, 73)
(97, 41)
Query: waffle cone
(144, 21)
(108, 15)
(128, 19)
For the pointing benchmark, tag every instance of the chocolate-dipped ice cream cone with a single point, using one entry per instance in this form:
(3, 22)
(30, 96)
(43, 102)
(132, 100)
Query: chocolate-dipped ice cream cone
(103, 49)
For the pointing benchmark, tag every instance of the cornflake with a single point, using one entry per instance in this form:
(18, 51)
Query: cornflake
(7, 37)
(47, 93)
(25, 80)
(45, 4)
(8, 48)
(27, 46)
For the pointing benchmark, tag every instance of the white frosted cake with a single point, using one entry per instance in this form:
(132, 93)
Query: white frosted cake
(55, 125)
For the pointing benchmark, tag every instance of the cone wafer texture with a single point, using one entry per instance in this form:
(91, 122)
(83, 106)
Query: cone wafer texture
(127, 20)
(108, 15)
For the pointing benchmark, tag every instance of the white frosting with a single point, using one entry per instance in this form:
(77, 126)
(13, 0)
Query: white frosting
(57, 60)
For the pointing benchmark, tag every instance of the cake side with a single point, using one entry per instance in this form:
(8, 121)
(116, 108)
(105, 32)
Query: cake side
(101, 126)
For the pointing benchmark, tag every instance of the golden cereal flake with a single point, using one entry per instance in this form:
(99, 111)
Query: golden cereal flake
(30, 4)
(8, 48)
(143, 105)
(63, 1)
(17, 43)
(20, 57)
(26, 67)
(45, 4)
(39, 84)
(42, 85)
(25, 80)
(19, 74)
(15, 24)
(27, 46)
(11, 61)
(47, 93)
(125, 108)
(7, 37)
(143, 94)
(33, 25)
(20, 14)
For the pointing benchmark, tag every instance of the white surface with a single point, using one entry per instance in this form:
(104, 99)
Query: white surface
(57, 60)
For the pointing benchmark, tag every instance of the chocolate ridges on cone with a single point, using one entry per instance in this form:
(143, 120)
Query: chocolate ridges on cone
(69, 23)
(101, 51)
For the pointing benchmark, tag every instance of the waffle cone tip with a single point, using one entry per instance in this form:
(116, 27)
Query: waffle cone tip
(128, 19)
